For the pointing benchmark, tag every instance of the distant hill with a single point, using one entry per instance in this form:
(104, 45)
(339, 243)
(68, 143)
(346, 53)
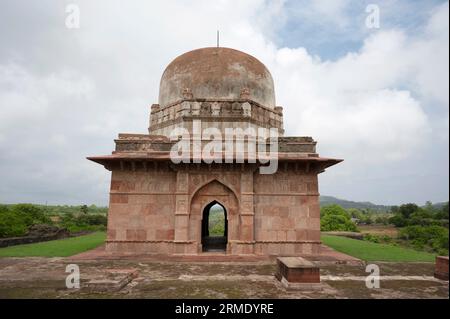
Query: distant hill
(329, 200)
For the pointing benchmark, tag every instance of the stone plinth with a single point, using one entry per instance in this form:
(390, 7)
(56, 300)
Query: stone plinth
(296, 270)
(441, 270)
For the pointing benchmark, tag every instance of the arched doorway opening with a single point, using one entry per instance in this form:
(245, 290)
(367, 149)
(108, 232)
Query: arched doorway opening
(214, 227)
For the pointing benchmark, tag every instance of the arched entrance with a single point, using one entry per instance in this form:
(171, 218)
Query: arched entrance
(214, 227)
(203, 199)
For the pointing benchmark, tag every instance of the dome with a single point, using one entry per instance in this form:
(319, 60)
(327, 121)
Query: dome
(220, 73)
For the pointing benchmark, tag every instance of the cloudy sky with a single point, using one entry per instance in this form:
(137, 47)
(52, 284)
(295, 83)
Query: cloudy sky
(377, 97)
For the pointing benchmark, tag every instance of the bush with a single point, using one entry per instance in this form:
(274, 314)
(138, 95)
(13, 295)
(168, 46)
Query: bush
(398, 220)
(91, 220)
(377, 238)
(383, 220)
(443, 212)
(11, 225)
(371, 238)
(417, 220)
(31, 214)
(85, 228)
(407, 210)
(433, 237)
(335, 218)
(411, 214)
(334, 210)
(355, 213)
(15, 220)
(83, 222)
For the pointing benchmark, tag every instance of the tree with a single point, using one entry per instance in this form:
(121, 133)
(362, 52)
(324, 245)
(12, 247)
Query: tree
(332, 222)
(15, 220)
(336, 218)
(430, 208)
(31, 214)
(11, 225)
(395, 210)
(442, 213)
(382, 220)
(434, 237)
(407, 209)
(355, 213)
(84, 209)
(334, 210)
(398, 220)
(366, 219)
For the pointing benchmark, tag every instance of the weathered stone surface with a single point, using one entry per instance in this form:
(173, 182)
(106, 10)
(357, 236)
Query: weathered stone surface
(441, 271)
(157, 206)
(150, 207)
(219, 73)
(297, 270)
(115, 280)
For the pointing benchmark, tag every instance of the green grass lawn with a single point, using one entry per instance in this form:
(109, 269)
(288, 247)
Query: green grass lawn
(55, 248)
(375, 252)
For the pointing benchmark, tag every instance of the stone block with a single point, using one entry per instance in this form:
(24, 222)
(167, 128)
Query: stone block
(111, 234)
(297, 270)
(281, 235)
(119, 199)
(441, 270)
(165, 234)
(313, 234)
(300, 234)
(291, 235)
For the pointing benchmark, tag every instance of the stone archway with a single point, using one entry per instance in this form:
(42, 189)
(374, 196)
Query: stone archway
(214, 239)
(213, 192)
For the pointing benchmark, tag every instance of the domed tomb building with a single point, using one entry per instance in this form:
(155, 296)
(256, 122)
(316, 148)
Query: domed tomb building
(161, 202)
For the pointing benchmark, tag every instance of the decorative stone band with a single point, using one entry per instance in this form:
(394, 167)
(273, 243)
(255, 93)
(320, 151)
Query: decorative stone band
(159, 143)
(156, 107)
(242, 110)
(184, 193)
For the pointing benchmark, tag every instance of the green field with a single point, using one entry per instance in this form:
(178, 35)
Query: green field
(375, 252)
(55, 248)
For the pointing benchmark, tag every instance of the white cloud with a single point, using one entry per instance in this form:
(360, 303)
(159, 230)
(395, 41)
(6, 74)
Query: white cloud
(71, 97)
(357, 106)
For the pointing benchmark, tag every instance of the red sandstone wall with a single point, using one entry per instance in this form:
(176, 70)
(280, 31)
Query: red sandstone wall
(142, 206)
(287, 213)
(160, 210)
